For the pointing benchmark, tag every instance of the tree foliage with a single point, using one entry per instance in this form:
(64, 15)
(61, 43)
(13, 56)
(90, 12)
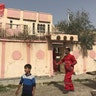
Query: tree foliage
(80, 25)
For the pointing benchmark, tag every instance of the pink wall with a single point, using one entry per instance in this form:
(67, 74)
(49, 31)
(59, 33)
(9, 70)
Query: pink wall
(15, 54)
(51, 63)
(3, 60)
(44, 17)
(13, 13)
(28, 52)
(29, 15)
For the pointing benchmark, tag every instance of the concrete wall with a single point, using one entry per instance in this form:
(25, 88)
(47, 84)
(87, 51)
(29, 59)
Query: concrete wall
(14, 55)
(86, 64)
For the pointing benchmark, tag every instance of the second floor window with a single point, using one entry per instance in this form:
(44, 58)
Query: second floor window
(33, 28)
(41, 28)
(11, 23)
(25, 29)
(48, 29)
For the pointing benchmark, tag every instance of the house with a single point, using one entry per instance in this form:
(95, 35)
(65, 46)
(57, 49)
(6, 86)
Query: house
(15, 21)
(15, 53)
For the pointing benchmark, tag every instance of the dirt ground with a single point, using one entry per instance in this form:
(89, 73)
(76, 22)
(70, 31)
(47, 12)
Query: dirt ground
(82, 88)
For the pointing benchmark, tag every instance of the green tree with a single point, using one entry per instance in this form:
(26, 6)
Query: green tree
(79, 24)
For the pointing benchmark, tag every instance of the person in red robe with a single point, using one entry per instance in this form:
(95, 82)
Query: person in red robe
(69, 62)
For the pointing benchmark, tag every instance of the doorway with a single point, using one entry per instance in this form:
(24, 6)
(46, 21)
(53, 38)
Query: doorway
(58, 51)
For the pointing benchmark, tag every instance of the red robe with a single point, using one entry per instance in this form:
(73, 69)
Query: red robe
(69, 62)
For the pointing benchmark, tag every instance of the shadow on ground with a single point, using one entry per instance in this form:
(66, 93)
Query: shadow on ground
(57, 85)
(90, 83)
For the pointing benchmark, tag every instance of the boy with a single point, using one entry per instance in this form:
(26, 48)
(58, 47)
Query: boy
(28, 81)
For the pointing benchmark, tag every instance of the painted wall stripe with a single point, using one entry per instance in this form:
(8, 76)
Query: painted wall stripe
(3, 60)
(28, 53)
(51, 64)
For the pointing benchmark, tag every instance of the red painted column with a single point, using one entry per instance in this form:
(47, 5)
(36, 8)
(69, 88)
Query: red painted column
(3, 60)
(28, 53)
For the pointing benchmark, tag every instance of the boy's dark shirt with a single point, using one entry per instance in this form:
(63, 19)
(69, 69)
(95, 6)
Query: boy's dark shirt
(28, 82)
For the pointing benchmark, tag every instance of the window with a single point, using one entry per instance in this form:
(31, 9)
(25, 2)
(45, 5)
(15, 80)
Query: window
(38, 27)
(41, 28)
(33, 28)
(48, 29)
(17, 26)
(11, 23)
(25, 29)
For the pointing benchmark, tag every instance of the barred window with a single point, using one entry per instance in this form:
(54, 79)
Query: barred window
(41, 28)
(11, 23)
(48, 29)
(33, 28)
(25, 28)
